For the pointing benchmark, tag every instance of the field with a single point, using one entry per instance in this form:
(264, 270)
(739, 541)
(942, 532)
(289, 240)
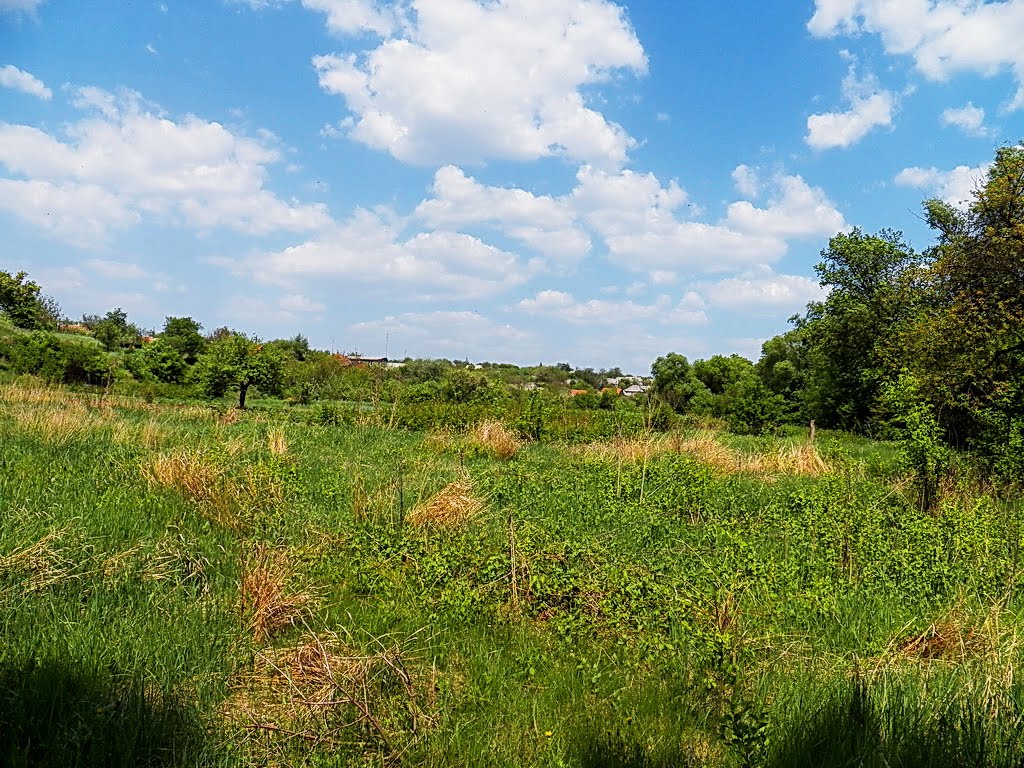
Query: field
(187, 585)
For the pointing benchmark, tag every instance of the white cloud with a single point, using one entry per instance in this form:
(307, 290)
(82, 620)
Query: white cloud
(117, 270)
(764, 291)
(349, 17)
(746, 180)
(543, 223)
(955, 186)
(461, 81)
(868, 107)
(19, 6)
(20, 80)
(370, 249)
(944, 37)
(968, 118)
(563, 306)
(640, 222)
(128, 161)
(795, 210)
(296, 302)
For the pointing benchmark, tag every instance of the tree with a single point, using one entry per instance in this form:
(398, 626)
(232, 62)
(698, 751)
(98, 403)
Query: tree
(182, 333)
(850, 335)
(674, 381)
(237, 361)
(966, 347)
(25, 304)
(113, 330)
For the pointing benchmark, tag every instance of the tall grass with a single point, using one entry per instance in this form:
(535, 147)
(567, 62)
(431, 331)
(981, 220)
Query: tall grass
(178, 588)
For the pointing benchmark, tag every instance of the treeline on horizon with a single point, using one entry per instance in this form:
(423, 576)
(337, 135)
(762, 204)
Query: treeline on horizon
(927, 346)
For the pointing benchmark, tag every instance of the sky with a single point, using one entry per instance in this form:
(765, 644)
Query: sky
(523, 181)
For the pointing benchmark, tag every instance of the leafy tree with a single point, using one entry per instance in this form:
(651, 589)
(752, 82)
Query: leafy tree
(296, 348)
(23, 302)
(966, 347)
(783, 367)
(182, 334)
(851, 334)
(113, 330)
(158, 360)
(675, 381)
(239, 362)
(717, 373)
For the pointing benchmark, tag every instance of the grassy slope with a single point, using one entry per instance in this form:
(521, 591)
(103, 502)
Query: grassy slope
(186, 588)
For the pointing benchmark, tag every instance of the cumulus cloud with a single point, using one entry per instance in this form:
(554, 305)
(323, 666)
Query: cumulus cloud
(795, 209)
(868, 106)
(124, 160)
(461, 81)
(565, 307)
(764, 291)
(20, 80)
(641, 222)
(370, 249)
(968, 118)
(543, 223)
(943, 37)
(955, 186)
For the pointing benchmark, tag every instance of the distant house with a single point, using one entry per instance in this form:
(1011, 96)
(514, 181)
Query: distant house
(529, 386)
(147, 339)
(635, 389)
(612, 390)
(359, 361)
(575, 392)
(344, 360)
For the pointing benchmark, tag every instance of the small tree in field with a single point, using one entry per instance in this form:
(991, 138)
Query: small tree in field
(237, 361)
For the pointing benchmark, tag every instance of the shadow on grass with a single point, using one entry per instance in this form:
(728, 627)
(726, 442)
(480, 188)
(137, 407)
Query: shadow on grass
(852, 727)
(55, 713)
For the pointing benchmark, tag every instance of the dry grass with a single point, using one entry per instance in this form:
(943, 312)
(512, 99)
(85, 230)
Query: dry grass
(267, 602)
(800, 458)
(43, 564)
(277, 442)
(228, 501)
(190, 473)
(57, 425)
(454, 505)
(495, 438)
(324, 691)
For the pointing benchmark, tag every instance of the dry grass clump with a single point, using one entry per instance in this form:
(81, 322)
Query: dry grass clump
(265, 597)
(228, 501)
(190, 473)
(496, 439)
(43, 564)
(277, 442)
(34, 395)
(326, 692)
(800, 458)
(452, 506)
(57, 424)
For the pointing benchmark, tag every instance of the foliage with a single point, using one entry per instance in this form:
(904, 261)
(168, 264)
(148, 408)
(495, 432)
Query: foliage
(24, 303)
(182, 334)
(850, 334)
(113, 330)
(924, 452)
(239, 362)
(675, 381)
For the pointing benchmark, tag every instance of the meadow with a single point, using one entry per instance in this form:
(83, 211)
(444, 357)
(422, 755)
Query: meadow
(183, 584)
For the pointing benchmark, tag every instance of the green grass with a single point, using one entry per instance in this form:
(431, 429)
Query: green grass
(595, 612)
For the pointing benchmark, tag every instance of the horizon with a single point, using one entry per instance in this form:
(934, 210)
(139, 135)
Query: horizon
(581, 180)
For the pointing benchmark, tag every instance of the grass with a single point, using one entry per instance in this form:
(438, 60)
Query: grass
(180, 588)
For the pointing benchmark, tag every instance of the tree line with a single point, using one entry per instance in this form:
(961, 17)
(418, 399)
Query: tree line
(925, 345)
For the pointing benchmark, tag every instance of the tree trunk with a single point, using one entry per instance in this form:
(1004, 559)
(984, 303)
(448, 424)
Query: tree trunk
(243, 390)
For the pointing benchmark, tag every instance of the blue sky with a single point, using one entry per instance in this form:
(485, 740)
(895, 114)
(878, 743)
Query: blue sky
(517, 180)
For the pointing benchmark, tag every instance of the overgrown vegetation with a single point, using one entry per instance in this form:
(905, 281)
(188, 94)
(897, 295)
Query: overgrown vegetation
(221, 551)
